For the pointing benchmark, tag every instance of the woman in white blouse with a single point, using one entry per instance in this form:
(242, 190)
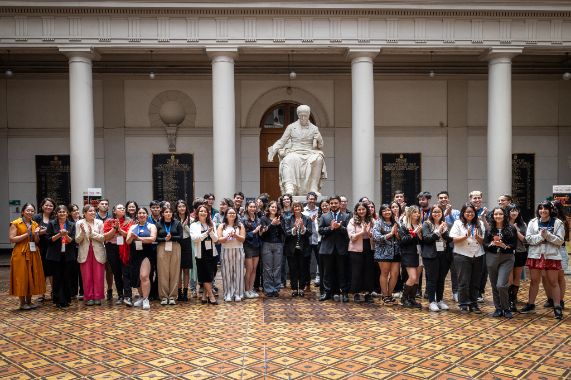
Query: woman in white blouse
(468, 235)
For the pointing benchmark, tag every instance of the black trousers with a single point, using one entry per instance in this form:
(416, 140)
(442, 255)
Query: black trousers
(469, 275)
(296, 270)
(362, 271)
(153, 276)
(114, 260)
(126, 271)
(63, 277)
(335, 273)
(483, 276)
(436, 271)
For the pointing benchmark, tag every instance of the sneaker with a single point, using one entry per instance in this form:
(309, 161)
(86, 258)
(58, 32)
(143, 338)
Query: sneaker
(397, 295)
(455, 297)
(25, 307)
(498, 313)
(248, 294)
(146, 304)
(481, 299)
(558, 312)
(127, 301)
(172, 301)
(254, 294)
(442, 306)
(508, 314)
(89, 303)
(475, 309)
(317, 281)
(97, 302)
(138, 303)
(228, 299)
(237, 299)
(165, 301)
(119, 301)
(528, 308)
(336, 298)
(548, 303)
(357, 298)
(80, 297)
(433, 307)
(464, 309)
(375, 294)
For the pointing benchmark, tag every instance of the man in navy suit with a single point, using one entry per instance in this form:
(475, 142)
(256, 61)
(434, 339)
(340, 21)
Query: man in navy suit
(333, 251)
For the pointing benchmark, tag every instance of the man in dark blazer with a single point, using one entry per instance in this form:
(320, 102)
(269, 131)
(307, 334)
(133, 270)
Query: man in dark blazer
(333, 251)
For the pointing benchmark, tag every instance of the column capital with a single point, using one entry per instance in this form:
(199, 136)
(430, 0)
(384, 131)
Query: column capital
(82, 53)
(365, 53)
(222, 53)
(501, 54)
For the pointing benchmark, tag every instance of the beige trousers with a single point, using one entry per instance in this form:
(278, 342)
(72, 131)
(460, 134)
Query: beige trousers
(168, 270)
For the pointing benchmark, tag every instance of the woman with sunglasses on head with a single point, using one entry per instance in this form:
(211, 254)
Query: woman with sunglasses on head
(516, 220)
(91, 255)
(436, 257)
(468, 237)
(62, 255)
(500, 242)
(231, 235)
(204, 236)
(26, 271)
(545, 235)
(141, 237)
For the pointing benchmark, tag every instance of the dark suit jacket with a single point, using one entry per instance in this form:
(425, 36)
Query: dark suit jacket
(333, 239)
(291, 240)
(54, 252)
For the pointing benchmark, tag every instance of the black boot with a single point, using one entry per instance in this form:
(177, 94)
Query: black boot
(407, 296)
(185, 294)
(179, 298)
(558, 312)
(512, 291)
(415, 291)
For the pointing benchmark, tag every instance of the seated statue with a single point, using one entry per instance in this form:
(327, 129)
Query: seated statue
(302, 163)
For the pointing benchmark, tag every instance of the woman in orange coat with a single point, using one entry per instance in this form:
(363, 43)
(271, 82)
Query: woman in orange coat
(26, 272)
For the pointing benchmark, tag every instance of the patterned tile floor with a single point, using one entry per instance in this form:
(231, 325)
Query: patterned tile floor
(281, 338)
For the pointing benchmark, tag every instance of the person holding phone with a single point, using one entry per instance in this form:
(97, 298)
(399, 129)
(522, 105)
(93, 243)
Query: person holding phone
(468, 237)
(273, 235)
(26, 271)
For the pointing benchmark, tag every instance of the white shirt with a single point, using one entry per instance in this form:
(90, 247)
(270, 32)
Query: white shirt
(469, 247)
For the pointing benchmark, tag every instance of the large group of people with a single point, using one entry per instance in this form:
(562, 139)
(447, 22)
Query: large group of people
(172, 252)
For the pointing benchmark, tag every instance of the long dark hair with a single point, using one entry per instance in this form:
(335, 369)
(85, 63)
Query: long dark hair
(465, 207)
(43, 202)
(208, 217)
(384, 207)
(514, 207)
(186, 213)
(278, 211)
(546, 205)
(431, 219)
(134, 217)
(401, 211)
(493, 224)
(237, 222)
(356, 218)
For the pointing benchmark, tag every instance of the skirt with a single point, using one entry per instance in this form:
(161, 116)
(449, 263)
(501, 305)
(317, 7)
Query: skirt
(410, 260)
(543, 264)
(250, 251)
(186, 253)
(520, 259)
(205, 267)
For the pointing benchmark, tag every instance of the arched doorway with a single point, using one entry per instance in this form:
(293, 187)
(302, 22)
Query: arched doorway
(272, 126)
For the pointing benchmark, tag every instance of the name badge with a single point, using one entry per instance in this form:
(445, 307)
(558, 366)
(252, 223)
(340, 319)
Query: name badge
(32, 246)
(440, 245)
(208, 244)
(138, 245)
(63, 248)
(120, 240)
(168, 246)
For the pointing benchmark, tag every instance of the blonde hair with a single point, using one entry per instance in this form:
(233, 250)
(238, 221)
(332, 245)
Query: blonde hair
(407, 219)
(475, 193)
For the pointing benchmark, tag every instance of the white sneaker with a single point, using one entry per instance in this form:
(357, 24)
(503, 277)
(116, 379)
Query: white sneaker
(172, 301)
(481, 299)
(248, 294)
(397, 295)
(433, 307)
(254, 294)
(442, 305)
(165, 301)
(455, 297)
(228, 299)
(146, 304)
(127, 301)
(138, 303)
(237, 298)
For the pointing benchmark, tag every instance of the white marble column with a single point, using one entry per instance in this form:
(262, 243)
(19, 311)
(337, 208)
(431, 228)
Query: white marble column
(500, 123)
(363, 122)
(223, 121)
(81, 124)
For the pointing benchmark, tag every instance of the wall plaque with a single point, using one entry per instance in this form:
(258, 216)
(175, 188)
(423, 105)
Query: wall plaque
(53, 179)
(523, 183)
(400, 171)
(173, 177)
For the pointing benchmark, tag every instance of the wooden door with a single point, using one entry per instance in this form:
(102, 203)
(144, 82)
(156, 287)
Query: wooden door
(272, 126)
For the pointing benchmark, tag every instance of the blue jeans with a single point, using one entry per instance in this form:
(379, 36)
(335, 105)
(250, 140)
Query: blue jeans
(272, 254)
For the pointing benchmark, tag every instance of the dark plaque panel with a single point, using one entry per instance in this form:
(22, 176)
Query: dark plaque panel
(523, 183)
(400, 171)
(53, 179)
(173, 177)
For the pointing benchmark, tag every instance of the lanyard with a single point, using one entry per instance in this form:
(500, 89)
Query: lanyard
(472, 230)
(168, 230)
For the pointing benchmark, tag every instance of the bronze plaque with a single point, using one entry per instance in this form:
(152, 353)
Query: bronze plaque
(173, 177)
(523, 183)
(400, 171)
(53, 179)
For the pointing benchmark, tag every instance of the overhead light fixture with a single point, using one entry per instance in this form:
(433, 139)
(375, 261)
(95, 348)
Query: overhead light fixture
(431, 73)
(151, 73)
(567, 75)
(8, 73)
(292, 73)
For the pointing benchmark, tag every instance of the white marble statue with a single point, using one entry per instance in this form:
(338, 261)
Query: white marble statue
(302, 163)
